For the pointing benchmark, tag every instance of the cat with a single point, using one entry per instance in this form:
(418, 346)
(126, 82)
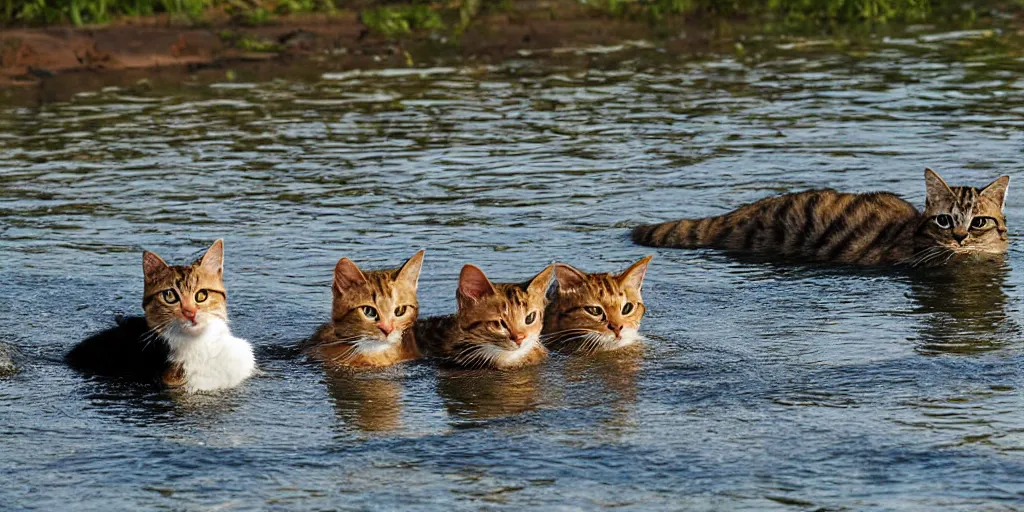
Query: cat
(183, 341)
(595, 312)
(371, 317)
(496, 326)
(876, 228)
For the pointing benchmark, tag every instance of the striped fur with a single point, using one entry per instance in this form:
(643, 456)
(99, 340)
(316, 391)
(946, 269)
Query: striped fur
(596, 312)
(876, 228)
(497, 325)
(372, 316)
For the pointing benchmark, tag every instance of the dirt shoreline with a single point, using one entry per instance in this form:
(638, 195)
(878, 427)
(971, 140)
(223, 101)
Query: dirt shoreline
(33, 58)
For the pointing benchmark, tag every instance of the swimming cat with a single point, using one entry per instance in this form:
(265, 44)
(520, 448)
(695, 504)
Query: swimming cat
(183, 341)
(862, 229)
(371, 317)
(595, 312)
(497, 325)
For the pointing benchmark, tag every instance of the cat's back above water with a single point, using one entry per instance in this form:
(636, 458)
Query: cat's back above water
(129, 350)
(434, 335)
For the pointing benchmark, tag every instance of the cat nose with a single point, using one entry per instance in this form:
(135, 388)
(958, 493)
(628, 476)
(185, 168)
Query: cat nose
(517, 338)
(960, 237)
(385, 328)
(189, 313)
(617, 329)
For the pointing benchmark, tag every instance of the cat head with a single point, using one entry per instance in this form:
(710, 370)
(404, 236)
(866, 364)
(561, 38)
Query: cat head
(183, 300)
(965, 219)
(377, 306)
(595, 312)
(500, 323)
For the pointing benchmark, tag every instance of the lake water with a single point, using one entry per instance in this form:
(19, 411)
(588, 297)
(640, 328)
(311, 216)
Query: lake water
(760, 386)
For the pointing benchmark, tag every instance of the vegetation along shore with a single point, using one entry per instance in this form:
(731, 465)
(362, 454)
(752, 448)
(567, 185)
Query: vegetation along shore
(41, 39)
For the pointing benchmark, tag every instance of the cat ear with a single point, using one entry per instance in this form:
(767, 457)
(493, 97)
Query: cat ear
(346, 276)
(473, 284)
(153, 266)
(633, 277)
(539, 284)
(935, 188)
(997, 190)
(568, 277)
(213, 260)
(410, 271)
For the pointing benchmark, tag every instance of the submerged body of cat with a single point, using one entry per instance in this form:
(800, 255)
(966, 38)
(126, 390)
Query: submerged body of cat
(597, 312)
(858, 229)
(183, 341)
(372, 315)
(496, 326)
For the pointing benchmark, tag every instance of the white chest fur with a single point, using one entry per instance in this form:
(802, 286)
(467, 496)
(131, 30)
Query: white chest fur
(212, 359)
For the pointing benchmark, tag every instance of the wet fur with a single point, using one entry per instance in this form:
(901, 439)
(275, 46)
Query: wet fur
(876, 228)
(570, 327)
(352, 339)
(490, 316)
(197, 354)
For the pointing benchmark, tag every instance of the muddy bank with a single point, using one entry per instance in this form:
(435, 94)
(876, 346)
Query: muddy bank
(32, 58)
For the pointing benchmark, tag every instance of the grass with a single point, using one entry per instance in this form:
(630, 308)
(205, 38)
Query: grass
(80, 12)
(391, 19)
(801, 11)
(397, 20)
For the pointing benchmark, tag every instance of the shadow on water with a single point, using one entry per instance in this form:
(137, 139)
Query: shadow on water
(483, 395)
(369, 400)
(144, 404)
(607, 379)
(965, 307)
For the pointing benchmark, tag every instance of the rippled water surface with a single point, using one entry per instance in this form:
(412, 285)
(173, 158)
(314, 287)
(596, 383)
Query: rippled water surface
(760, 387)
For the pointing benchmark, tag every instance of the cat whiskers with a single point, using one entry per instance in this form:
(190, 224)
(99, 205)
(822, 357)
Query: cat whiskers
(929, 256)
(154, 333)
(560, 339)
(356, 345)
(586, 341)
(474, 356)
(592, 343)
(348, 340)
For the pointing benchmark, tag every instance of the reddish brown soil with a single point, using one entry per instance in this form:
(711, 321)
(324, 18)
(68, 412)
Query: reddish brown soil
(36, 57)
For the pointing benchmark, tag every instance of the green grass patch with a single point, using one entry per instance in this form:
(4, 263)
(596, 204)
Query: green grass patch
(79, 12)
(397, 20)
(252, 44)
(797, 11)
(392, 19)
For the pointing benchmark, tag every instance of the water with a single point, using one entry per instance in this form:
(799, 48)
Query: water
(761, 386)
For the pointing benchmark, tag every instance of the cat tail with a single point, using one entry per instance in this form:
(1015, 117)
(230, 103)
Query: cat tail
(681, 234)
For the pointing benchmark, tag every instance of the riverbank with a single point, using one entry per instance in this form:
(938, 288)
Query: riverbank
(42, 60)
(30, 55)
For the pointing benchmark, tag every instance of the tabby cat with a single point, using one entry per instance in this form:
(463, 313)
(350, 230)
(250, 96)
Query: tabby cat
(183, 341)
(497, 325)
(595, 312)
(862, 229)
(371, 317)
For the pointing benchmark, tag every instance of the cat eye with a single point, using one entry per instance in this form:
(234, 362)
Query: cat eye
(944, 221)
(531, 317)
(627, 309)
(503, 324)
(170, 296)
(400, 311)
(202, 295)
(594, 310)
(982, 223)
(370, 312)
